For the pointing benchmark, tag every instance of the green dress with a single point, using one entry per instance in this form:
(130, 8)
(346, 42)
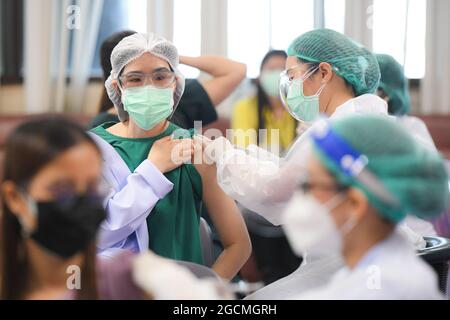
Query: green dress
(173, 224)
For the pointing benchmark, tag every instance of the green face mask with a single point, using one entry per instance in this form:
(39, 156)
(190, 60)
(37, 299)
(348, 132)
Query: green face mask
(147, 105)
(305, 108)
(269, 81)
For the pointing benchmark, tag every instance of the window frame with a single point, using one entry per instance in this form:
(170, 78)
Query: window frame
(12, 42)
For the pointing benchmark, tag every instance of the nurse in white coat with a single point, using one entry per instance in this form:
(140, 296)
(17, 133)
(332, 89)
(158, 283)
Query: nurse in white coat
(364, 175)
(393, 88)
(326, 74)
(316, 271)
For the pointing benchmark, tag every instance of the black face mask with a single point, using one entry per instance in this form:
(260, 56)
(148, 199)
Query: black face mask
(66, 228)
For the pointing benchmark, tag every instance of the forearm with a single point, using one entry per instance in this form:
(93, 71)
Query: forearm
(229, 224)
(226, 75)
(216, 66)
(247, 177)
(231, 260)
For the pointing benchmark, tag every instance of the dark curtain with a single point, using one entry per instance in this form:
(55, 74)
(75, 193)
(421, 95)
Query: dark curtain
(12, 25)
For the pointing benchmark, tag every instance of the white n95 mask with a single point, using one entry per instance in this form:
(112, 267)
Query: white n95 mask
(309, 227)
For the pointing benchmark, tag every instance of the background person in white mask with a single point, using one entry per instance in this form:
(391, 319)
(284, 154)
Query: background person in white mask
(264, 110)
(360, 183)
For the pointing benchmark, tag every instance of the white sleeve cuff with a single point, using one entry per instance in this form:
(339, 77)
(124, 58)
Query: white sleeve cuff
(159, 183)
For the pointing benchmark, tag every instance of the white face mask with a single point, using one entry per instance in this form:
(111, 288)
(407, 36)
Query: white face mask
(310, 228)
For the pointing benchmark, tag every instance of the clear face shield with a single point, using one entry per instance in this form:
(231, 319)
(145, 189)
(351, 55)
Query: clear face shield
(303, 108)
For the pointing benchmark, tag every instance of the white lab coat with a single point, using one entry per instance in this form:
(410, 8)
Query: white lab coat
(418, 129)
(391, 270)
(316, 272)
(131, 198)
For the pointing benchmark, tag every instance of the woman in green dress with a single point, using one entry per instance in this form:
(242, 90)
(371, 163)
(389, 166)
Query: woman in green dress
(156, 195)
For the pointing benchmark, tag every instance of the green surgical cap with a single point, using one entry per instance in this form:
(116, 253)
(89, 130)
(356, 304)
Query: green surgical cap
(394, 83)
(413, 174)
(350, 60)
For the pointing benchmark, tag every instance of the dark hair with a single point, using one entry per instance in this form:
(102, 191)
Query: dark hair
(262, 98)
(28, 149)
(106, 50)
(314, 65)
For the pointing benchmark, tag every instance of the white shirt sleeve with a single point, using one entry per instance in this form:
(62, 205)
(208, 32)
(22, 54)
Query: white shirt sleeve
(129, 207)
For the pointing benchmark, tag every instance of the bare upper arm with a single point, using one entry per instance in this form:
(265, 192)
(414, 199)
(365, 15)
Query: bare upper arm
(222, 209)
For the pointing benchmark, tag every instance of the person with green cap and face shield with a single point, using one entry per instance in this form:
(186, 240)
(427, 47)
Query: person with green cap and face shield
(359, 184)
(327, 74)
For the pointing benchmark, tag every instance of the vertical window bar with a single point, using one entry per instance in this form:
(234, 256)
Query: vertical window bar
(319, 14)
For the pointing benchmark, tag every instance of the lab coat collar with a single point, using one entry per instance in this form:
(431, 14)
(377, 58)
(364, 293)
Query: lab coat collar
(365, 104)
(394, 241)
(373, 255)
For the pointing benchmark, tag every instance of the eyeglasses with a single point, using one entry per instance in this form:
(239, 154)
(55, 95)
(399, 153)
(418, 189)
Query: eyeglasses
(65, 195)
(307, 186)
(160, 79)
(295, 72)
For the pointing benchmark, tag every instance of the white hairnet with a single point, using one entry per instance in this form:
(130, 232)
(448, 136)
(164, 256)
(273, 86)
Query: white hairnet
(131, 48)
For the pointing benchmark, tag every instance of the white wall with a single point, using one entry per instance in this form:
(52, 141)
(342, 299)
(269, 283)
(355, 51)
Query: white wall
(12, 99)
